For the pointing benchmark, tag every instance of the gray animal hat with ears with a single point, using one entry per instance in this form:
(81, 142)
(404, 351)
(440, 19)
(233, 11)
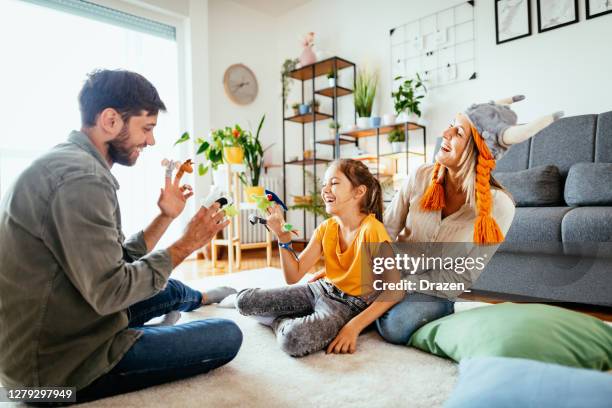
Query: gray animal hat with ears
(496, 123)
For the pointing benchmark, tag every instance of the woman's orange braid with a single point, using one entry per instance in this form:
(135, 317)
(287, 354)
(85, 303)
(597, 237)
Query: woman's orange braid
(486, 230)
(433, 199)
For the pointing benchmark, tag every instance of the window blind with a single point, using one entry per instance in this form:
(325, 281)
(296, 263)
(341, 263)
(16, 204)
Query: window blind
(108, 15)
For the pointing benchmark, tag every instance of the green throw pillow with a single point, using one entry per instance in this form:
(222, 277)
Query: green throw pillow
(533, 331)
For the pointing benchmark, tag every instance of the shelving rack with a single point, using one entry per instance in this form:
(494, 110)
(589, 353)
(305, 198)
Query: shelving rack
(310, 73)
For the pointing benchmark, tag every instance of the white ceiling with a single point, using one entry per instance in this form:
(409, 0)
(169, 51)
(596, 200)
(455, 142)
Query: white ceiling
(273, 8)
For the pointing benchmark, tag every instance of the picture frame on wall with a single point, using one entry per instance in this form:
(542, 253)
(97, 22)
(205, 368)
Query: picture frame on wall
(597, 8)
(512, 20)
(554, 14)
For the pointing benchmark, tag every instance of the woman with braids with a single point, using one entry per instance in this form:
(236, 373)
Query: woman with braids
(456, 199)
(329, 312)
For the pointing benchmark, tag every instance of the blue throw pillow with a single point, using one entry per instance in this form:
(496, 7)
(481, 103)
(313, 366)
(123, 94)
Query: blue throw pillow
(515, 382)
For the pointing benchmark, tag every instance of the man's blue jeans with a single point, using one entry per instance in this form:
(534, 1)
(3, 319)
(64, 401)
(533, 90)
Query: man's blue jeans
(168, 353)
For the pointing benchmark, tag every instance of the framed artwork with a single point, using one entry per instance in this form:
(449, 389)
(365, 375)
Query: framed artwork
(512, 20)
(556, 13)
(596, 8)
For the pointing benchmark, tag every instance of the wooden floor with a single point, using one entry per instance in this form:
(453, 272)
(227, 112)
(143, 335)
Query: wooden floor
(256, 258)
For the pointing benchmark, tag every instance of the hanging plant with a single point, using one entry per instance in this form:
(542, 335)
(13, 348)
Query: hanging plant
(288, 66)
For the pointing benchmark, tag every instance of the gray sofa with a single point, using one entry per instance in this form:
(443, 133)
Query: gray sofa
(559, 246)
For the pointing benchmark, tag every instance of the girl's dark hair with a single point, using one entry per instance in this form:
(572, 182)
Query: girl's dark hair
(127, 92)
(358, 174)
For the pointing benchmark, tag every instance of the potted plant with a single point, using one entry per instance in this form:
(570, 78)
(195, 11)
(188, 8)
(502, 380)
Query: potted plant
(288, 66)
(365, 90)
(253, 160)
(396, 137)
(333, 128)
(232, 140)
(407, 99)
(314, 105)
(296, 108)
(313, 202)
(331, 78)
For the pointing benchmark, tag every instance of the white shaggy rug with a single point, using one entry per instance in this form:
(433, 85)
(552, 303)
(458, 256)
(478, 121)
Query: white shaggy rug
(377, 375)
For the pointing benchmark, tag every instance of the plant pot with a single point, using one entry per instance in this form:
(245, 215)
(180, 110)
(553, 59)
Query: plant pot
(396, 147)
(249, 192)
(296, 111)
(375, 121)
(413, 117)
(303, 109)
(332, 132)
(332, 82)
(233, 154)
(402, 117)
(388, 119)
(363, 122)
(308, 154)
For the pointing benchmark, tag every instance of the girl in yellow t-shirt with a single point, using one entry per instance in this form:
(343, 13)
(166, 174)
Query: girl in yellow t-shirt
(329, 312)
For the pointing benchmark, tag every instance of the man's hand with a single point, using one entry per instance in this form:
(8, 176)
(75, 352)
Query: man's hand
(345, 341)
(172, 197)
(201, 229)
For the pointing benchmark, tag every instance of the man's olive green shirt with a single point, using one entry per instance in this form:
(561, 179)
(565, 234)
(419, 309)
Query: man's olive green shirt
(67, 275)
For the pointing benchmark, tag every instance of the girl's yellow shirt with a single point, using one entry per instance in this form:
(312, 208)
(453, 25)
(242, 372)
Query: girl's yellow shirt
(345, 269)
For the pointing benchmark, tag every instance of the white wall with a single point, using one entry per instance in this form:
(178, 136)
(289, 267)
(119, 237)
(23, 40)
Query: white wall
(565, 69)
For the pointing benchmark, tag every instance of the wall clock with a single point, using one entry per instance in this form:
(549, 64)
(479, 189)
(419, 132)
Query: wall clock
(240, 84)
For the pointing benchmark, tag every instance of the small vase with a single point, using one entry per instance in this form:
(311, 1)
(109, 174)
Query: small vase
(233, 154)
(396, 147)
(307, 57)
(332, 82)
(303, 109)
(413, 118)
(375, 121)
(296, 111)
(251, 191)
(363, 122)
(332, 132)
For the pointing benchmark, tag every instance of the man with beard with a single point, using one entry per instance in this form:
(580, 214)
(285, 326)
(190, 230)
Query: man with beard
(74, 294)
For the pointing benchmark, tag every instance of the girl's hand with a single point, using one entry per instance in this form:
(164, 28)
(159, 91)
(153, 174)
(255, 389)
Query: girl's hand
(275, 221)
(317, 276)
(345, 341)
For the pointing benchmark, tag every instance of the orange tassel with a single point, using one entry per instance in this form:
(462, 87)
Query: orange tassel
(486, 231)
(433, 198)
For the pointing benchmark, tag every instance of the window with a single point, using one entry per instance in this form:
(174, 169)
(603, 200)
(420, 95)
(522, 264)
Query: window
(46, 54)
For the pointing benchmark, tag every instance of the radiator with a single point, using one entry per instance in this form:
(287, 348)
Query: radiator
(257, 233)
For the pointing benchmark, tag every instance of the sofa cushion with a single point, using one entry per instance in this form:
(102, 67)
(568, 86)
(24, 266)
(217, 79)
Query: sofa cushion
(603, 138)
(533, 331)
(537, 224)
(516, 382)
(538, 186)
(565, 142)
(588, 224)
(589, 184)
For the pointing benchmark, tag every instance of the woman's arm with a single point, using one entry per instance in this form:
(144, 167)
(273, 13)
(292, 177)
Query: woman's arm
(293, 269)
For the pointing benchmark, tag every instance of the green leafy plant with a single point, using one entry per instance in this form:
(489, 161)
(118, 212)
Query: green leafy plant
(314, 104)
(331, 74)
(396, 135)
(288, 66)
(295, 105)
(334, 125)
(315, 204)
(408, 96)
(365, 91)
(253, 157)
(212, 149)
